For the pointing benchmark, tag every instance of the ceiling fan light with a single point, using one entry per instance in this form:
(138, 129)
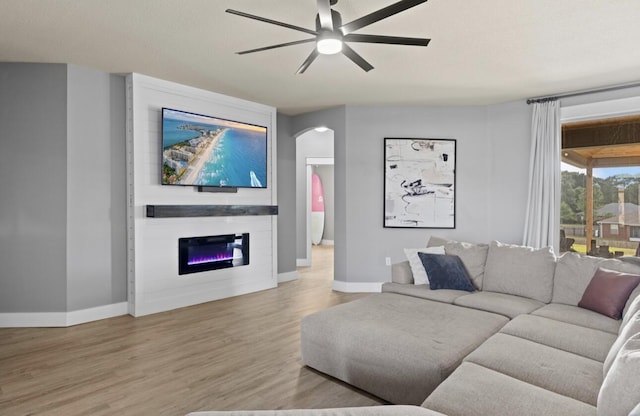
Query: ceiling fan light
(329, 44)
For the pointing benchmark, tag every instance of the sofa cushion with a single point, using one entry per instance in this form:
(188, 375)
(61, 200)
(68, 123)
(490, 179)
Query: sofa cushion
(420, 276)
(549, 368)
(629, 329)
(520, 271)
(608, 292)
(500, 303)
(620, 391)
(578, 316)
(424, 292)
(394, 346)
(473, 256)
(633, 305)
(473, 390)
(574, 272)
(446, 272)
(345, 411)
(562, 335)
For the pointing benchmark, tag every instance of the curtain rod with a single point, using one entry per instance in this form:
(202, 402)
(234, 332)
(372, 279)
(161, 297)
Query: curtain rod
(544, 99)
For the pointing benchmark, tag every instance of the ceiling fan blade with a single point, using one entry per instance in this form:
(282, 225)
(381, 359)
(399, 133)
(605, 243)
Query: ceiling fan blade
(357, 59)
(391, 40)
(324, 13)
(307, 62)
(273, 22)
(379, 15)
(280, 45)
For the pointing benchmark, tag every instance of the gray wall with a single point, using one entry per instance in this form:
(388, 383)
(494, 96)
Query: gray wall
(62, 211)
(326, 173)
(367, 127)
(492, 177)
(286, 160)
(509, 138)
(96, 180)
(33, 211)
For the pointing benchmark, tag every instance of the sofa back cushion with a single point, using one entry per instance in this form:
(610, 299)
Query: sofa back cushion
(473, 256)
(521, 271)
(633, 306)
(574, 272)
(620, 391)
(628, 330)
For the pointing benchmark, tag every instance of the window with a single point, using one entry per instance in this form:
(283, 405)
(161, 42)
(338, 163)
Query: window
(600, 189)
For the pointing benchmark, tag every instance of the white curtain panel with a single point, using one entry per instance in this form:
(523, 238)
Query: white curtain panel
(542, 222)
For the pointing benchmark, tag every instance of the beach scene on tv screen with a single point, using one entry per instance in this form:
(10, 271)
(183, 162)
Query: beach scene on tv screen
(207, 151)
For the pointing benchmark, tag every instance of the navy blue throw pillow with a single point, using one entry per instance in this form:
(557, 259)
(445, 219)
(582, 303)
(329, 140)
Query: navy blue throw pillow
(446, 272)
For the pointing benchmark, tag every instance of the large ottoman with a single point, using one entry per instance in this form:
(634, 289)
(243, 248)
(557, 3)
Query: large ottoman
(347, 411)
(397, 347)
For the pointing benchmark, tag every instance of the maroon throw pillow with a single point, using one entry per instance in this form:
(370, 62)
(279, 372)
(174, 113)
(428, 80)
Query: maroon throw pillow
(608, 292)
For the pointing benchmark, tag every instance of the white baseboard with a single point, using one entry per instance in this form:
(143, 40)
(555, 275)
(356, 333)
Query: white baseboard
(97, 313)
(287, 277)
(357, 287)
(61, 319)
(303, 262)
(327, 242)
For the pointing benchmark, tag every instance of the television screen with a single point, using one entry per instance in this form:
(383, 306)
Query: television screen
(200, 150)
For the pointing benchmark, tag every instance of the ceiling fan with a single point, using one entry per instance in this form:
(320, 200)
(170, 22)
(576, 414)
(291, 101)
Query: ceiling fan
(331, 35)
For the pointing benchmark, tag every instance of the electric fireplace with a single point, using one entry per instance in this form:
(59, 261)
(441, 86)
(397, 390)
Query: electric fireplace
(199, 254)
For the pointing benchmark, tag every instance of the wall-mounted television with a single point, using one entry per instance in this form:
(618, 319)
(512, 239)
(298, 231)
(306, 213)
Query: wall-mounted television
(200, 150)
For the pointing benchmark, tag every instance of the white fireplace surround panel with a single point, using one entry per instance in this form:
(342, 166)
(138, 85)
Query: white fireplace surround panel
(154, 282)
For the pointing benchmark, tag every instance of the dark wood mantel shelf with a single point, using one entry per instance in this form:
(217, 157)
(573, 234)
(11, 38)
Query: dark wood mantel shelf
(175, 211)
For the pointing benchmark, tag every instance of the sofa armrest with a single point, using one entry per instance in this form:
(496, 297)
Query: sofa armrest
(401, 273)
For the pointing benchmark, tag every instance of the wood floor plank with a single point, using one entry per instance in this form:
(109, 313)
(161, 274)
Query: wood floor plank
(236, 353)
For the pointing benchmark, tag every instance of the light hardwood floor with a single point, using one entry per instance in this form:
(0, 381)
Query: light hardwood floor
(236, 353)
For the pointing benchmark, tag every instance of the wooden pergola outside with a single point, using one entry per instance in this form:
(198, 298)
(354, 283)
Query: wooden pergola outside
(605, 143)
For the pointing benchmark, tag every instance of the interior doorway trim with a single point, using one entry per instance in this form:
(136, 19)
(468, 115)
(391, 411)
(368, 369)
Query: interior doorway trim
(311, 161)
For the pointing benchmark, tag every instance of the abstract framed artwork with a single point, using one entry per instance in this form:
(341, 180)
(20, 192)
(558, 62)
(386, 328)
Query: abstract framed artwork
(419, 183)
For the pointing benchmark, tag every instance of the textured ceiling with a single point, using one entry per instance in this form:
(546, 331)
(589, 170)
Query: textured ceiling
(481, 52)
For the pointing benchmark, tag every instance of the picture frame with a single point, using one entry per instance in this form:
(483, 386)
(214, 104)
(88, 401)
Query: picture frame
(419, 183)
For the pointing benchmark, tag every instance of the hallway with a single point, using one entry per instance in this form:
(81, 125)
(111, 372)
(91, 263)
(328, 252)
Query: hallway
(321, 264)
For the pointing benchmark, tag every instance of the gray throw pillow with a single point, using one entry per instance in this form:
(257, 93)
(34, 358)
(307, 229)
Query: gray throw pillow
(446, 272)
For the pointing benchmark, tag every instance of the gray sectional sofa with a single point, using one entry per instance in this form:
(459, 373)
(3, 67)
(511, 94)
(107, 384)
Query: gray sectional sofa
(518, 345)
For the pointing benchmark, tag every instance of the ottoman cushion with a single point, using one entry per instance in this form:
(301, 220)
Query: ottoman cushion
(396, 347)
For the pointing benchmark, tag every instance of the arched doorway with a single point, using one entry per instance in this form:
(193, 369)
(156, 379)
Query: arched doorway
(314, 154)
